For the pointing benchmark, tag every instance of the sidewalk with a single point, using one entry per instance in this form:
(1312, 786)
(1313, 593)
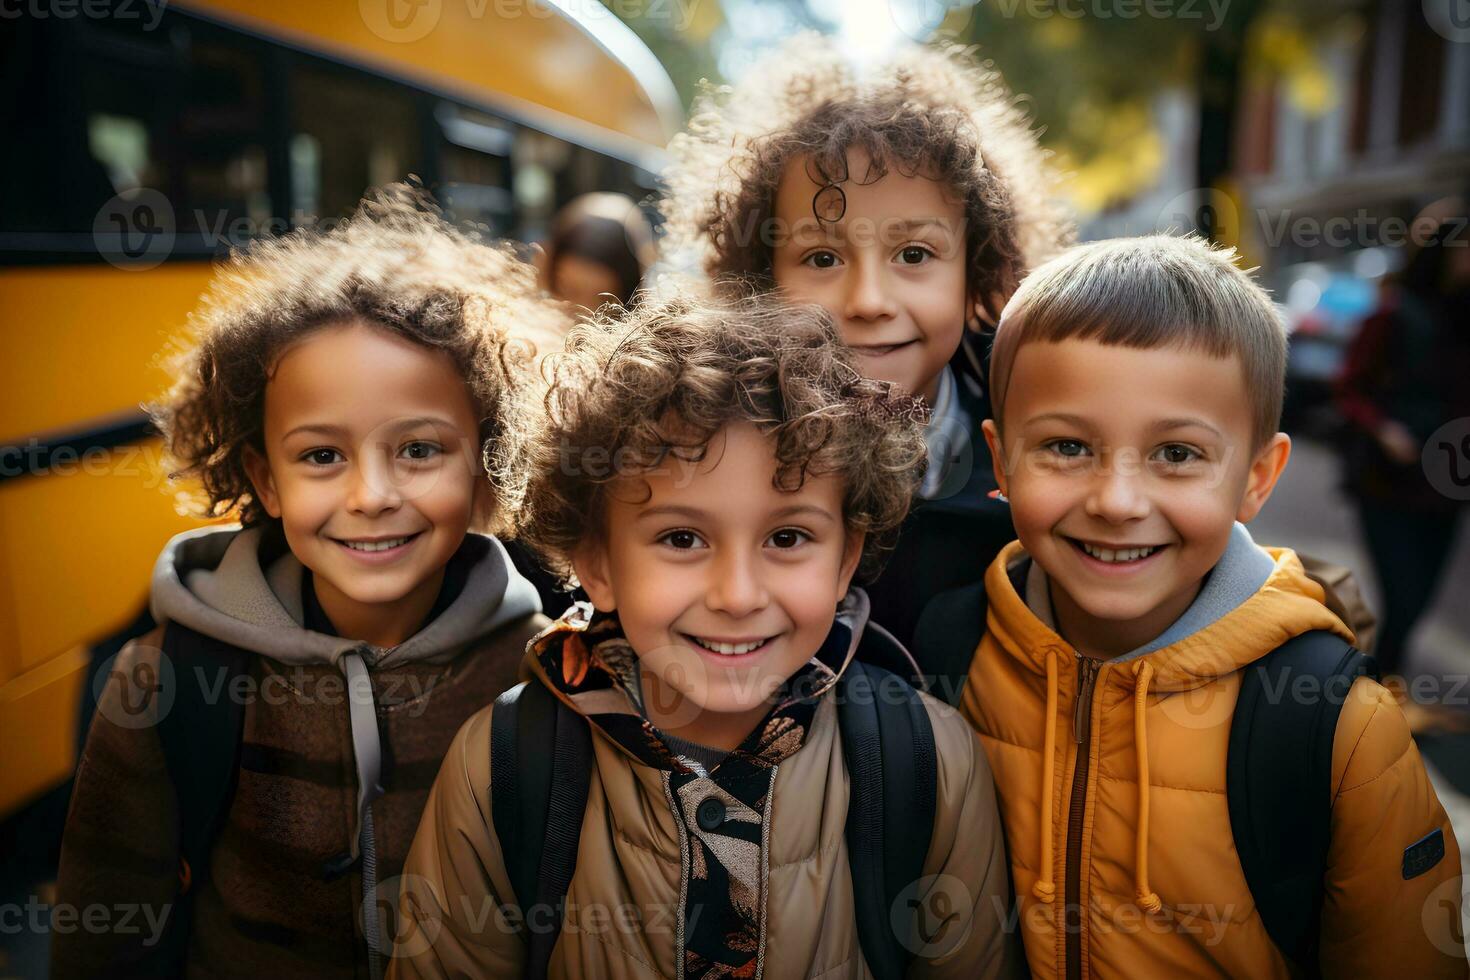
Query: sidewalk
(1309, 513)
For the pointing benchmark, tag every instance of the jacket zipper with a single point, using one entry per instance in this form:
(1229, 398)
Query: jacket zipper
(1087, 671)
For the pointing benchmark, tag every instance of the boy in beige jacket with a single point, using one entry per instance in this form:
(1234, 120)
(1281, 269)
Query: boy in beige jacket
(714, 475)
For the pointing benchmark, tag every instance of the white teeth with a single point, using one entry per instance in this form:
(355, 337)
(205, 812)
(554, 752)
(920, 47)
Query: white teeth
(728, 649)
(376, 545)
(1117, 555)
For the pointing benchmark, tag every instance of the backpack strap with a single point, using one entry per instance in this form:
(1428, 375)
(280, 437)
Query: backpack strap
(200, 736)
(946, 637)
(1279, 781)
(888, 745)
(538, 799)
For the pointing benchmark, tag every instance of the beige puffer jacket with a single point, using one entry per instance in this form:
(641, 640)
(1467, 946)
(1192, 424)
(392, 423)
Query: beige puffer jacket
(766, 894)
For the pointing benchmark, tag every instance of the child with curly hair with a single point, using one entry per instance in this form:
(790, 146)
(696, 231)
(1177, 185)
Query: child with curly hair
(722, 786)
(258, 762)
(907, 199)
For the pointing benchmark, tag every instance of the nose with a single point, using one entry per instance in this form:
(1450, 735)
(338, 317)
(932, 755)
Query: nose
(867, 292)
(737, 587)
(373, 489)
(1117, 495)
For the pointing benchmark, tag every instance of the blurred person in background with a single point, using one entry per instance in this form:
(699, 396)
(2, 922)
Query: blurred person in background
(1408, 373)
(600, 246)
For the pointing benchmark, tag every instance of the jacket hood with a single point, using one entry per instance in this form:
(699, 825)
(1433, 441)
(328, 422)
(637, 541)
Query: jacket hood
(1253, 601)
(584, 659)
(218, 582)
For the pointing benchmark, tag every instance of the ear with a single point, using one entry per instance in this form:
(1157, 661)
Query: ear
(590, 564)
(258, 469)
(997, 453)
(852, 554)
(984, 312)
(1266, 469)
(483, 503)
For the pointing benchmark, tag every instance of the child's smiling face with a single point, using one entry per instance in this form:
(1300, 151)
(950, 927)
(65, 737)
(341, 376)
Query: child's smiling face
(724, 585)
(890, 270)
(1126, 470)
(372, 465)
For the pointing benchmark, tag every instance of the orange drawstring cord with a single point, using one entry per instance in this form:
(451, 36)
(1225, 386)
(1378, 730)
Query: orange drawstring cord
(1144, 671)
(1045, 888)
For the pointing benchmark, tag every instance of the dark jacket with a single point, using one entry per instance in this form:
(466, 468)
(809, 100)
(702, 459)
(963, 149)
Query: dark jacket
(1409, 363)
(949, 540)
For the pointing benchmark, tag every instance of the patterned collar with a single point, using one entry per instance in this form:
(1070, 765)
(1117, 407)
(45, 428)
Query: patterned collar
(586, 659)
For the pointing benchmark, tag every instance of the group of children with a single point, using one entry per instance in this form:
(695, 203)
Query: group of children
(789, 493)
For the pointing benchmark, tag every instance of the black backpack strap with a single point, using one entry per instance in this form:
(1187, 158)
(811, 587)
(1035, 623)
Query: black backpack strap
(888, 745)
(200, 736)
(538, 799)
(945, 639)
(1279, 781)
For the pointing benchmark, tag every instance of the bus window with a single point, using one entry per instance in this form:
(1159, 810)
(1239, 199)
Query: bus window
(474, 162)
(222, 138)
(114, 109)
(349, 132)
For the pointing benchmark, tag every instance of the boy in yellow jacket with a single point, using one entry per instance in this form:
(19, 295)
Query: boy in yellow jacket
(1137, 389)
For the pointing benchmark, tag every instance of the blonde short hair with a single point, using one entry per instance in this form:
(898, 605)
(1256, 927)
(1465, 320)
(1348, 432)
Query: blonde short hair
(1151, 292)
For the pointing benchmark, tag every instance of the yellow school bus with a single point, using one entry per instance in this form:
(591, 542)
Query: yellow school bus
(143, 141)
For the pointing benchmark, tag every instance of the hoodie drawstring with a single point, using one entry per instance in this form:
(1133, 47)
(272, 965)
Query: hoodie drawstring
(1144, 673)
(1045, 888)
(368, 753)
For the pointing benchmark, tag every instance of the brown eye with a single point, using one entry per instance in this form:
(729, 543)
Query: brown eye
(681, 540)
(913, 255)
(822, 260)
(788, 538)
(1177, 454)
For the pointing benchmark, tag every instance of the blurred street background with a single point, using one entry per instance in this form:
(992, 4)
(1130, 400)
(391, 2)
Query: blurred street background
(140, 140)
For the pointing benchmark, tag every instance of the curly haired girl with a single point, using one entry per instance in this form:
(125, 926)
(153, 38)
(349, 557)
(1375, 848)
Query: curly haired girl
(257, 763)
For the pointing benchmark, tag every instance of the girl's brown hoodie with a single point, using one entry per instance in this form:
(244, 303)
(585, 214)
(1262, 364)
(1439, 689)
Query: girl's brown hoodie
(340, 743)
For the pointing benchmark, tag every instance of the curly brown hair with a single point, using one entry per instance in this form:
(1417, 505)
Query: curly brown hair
(629, 391)
(396, 264)
(928, 111)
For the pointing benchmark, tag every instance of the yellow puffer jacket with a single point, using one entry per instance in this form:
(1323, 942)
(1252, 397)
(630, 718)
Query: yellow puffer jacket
(1114, 802)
